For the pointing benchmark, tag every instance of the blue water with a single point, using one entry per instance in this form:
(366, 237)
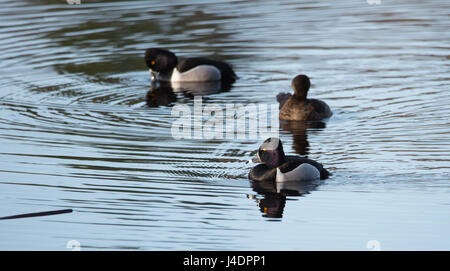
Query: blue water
(76, 132)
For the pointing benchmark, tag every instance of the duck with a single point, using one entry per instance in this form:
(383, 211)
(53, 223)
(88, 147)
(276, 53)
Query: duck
(275, 166)
(165, 66)
(298, 107)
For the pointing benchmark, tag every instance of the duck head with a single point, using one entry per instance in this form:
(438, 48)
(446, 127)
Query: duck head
(160, 61)
(271, 153)
(300, 85)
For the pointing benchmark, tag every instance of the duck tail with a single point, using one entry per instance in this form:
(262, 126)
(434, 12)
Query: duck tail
(324, 174)
(282, 97)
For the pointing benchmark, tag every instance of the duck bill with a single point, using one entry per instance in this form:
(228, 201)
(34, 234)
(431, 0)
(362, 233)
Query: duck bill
(153, 74)
(254, 160)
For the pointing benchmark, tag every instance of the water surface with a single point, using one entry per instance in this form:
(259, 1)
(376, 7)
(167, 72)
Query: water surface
(76, 131)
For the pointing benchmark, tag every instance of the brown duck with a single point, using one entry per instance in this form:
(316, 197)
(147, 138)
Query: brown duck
(298, 107)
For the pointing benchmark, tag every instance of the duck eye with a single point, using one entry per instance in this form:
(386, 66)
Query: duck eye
(153, 62)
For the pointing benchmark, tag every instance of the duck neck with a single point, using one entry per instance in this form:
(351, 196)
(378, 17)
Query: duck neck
(300, 96)
(165, 75)
(281, 159)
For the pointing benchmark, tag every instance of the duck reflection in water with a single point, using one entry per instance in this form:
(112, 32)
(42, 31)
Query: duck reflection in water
(160, 95)
(191, 89)
(274, 195)
(165, 93)
(299, 131)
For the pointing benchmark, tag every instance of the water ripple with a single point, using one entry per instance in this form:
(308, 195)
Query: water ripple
(76, 132)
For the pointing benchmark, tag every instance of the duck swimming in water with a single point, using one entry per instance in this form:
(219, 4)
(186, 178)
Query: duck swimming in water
(298, 107)
(165, 66)
(276, 166)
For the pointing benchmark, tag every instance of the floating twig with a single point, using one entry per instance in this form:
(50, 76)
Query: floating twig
(57, 212)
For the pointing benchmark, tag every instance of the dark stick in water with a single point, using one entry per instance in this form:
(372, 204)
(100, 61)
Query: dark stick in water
(57, 212)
